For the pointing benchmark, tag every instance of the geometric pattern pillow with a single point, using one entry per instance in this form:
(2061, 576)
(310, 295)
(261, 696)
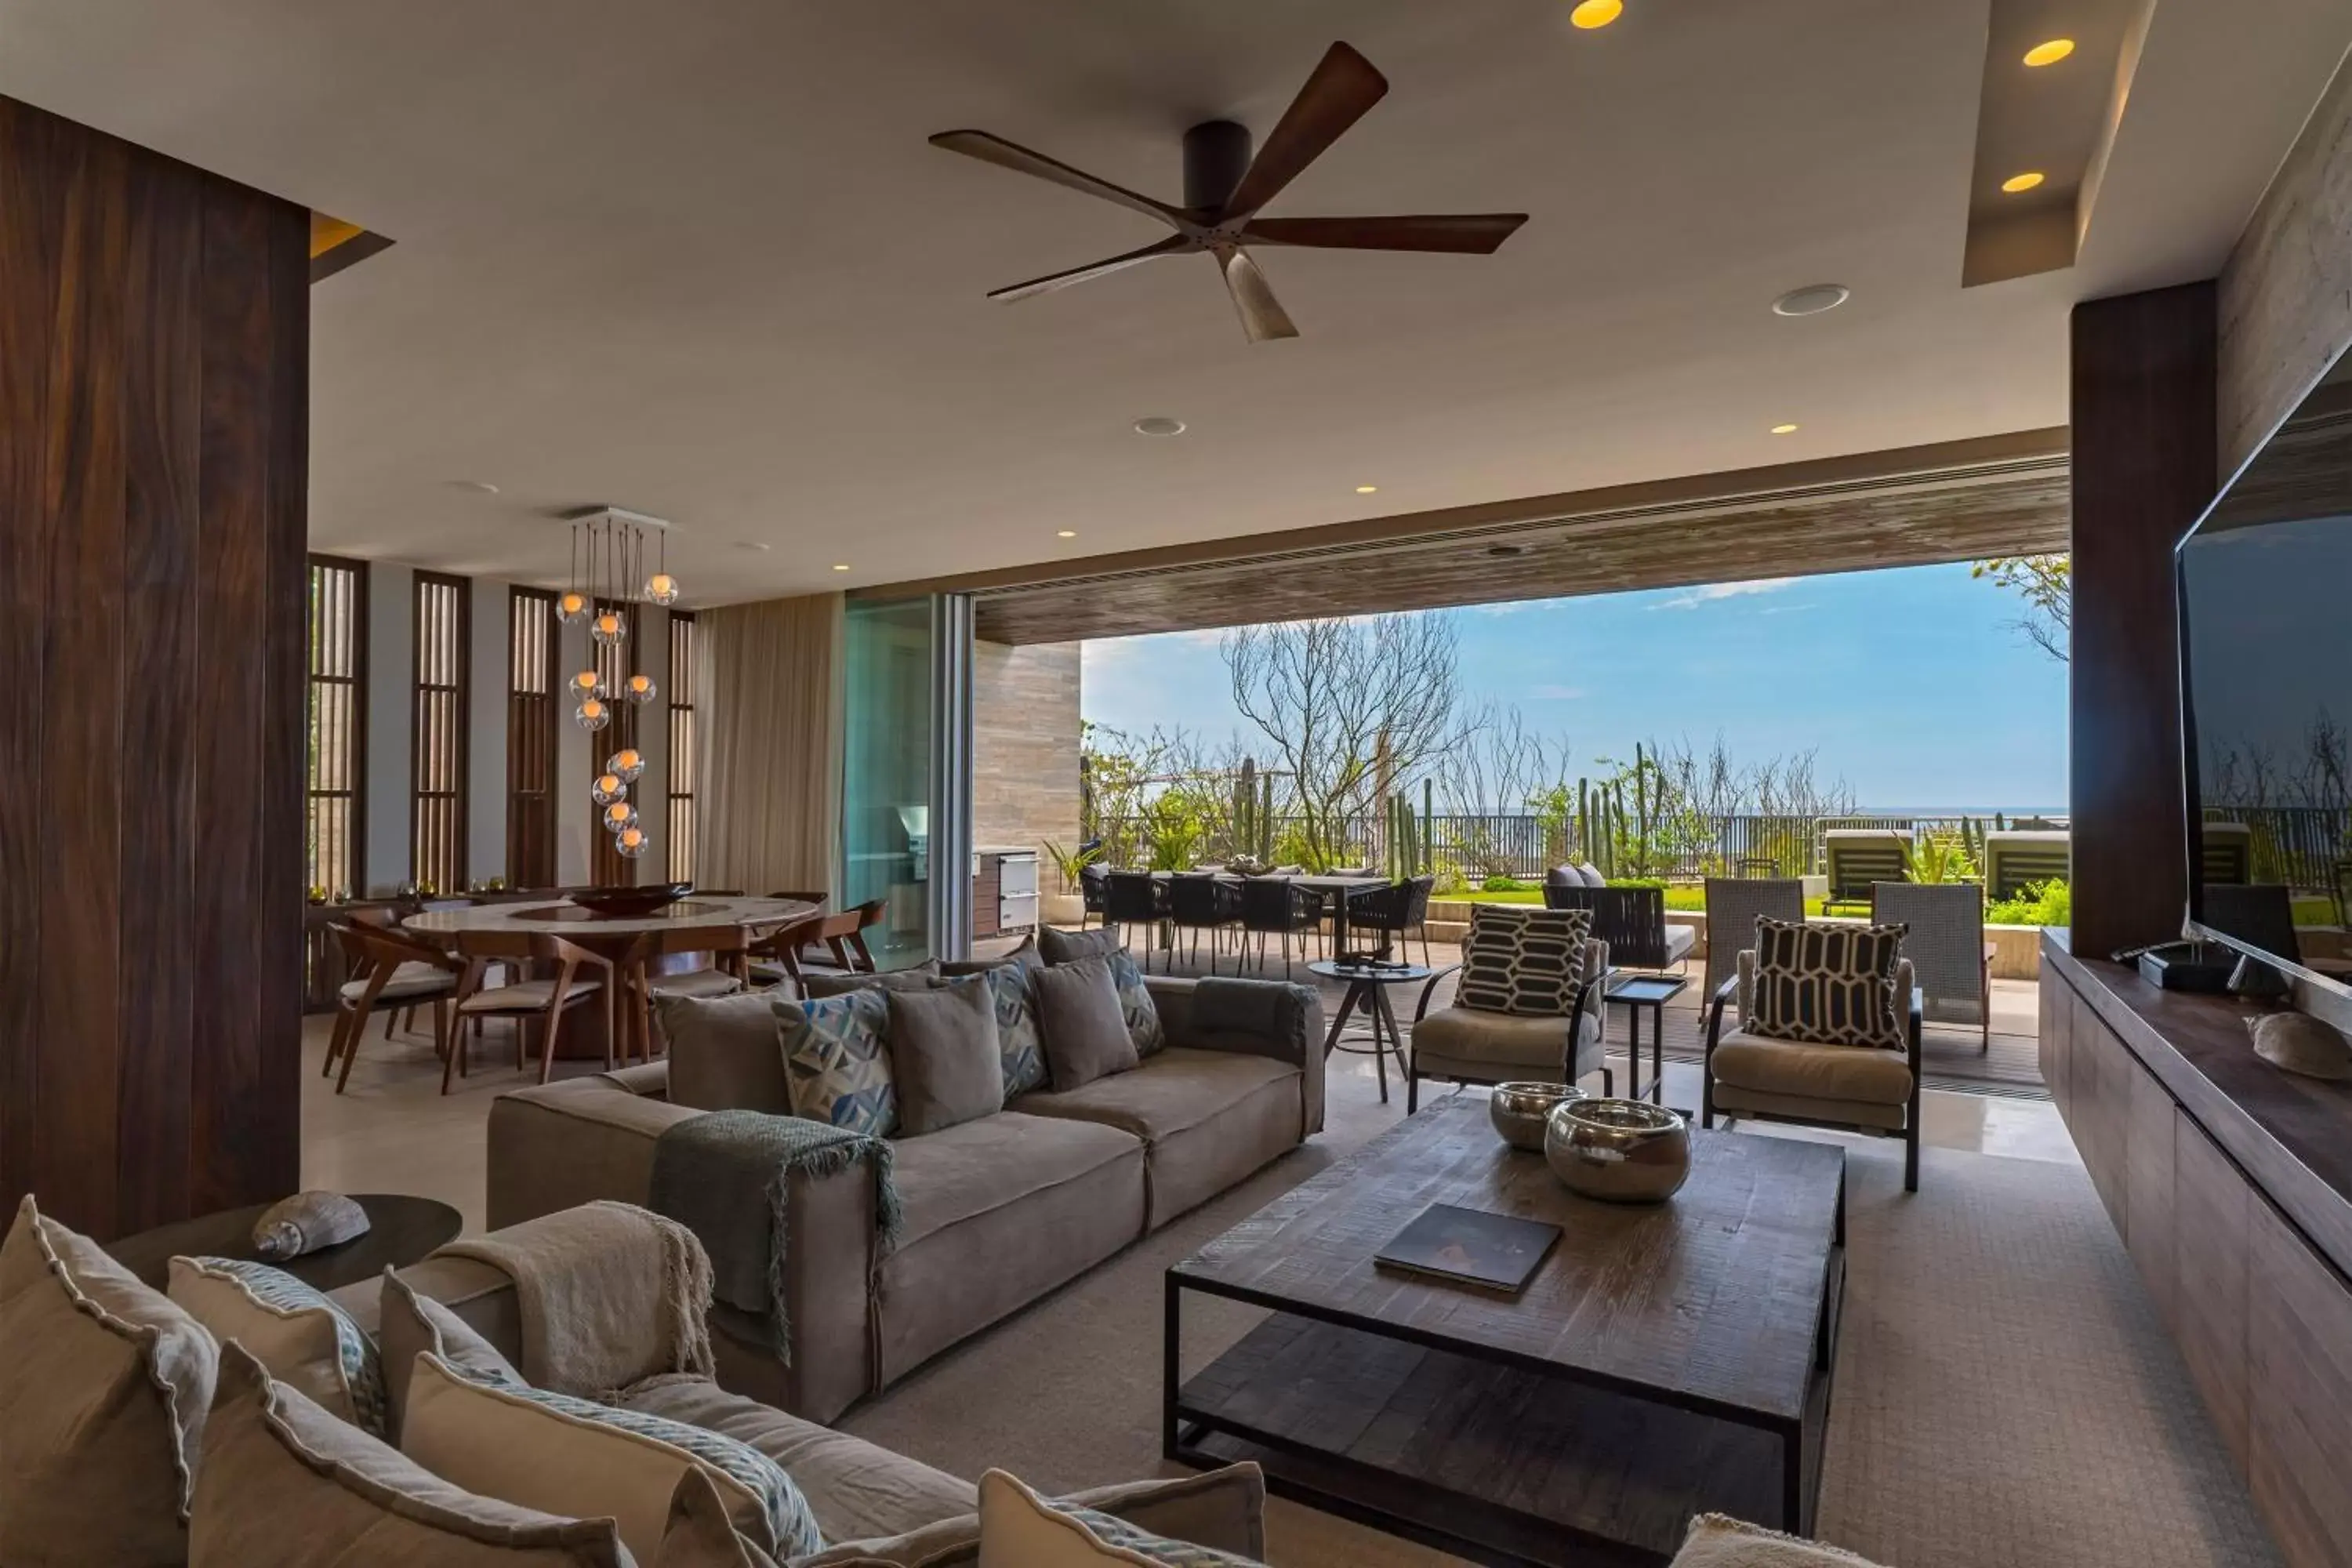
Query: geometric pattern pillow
(1524, 961)
(1136, 1005)
(1016, 1026)
(1827, 985)
(303, 1338)
(837, 1060)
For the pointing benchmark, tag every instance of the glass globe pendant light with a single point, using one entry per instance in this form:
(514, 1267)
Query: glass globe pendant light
(593, 715)
(620, 817)
(627, 763)
(638, 688)
(587, 684)
(631, 842)
(608, 788)
(661, 587)
(608, 628)
(570, 606)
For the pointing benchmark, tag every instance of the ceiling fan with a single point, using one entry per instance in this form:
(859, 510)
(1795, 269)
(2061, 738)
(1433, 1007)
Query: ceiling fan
(1225, 187)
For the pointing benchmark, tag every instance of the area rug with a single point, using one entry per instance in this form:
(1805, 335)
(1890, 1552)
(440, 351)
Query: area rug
(2004, 1392)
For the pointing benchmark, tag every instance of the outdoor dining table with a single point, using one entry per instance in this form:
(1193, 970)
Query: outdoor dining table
(611, 937)
(1332, 890)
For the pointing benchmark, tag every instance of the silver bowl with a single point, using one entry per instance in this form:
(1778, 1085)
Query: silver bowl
(1519, 1110)
(1621, 1150)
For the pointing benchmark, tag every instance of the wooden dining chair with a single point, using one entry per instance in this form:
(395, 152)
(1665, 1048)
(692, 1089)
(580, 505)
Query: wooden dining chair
(544, 1000)
(775, 959)
(644, 978)
(391, 966)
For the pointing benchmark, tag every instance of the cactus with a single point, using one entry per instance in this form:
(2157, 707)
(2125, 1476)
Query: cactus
(1264, 848)
(1428, 814)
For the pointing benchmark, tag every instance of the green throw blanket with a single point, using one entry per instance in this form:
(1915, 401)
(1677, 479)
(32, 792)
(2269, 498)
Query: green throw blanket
(705, 1170)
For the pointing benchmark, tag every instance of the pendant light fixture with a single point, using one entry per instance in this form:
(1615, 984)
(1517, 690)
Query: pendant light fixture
(608, 579)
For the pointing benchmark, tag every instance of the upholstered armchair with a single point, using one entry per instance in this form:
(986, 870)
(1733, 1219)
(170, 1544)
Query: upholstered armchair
(1470, 1044)
(1856, 1088)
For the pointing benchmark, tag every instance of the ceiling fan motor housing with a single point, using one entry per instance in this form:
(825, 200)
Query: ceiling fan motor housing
(1216, 155)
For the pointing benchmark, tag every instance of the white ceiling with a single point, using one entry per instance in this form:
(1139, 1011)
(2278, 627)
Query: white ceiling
(696, 259)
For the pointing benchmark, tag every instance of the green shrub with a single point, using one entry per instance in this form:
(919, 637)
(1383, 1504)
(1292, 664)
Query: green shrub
(2050, 903)
(1501, 885)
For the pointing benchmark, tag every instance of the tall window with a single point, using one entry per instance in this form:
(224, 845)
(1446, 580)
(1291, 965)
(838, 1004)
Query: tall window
(437, 754)
(336, 727)
(682, 782)
(534, 658)
(615, 664)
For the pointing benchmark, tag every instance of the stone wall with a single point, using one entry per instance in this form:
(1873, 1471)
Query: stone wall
(1024, 743)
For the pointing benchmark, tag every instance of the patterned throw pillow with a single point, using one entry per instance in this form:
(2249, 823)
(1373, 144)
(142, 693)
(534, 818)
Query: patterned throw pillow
(1016, 1026)
(1827, 985)
(1017, 1526)
(574, 1457)
(301, 1336)
(1524, 961)
(837, 1060)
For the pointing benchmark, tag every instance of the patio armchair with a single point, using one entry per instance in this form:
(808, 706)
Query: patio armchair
(2017, 858)
(1851, 1089)
(1858, 857)
(1946, 946)
(1136, 899)
(1632, 920)
(1277, 906)
(1734, 904)
(1392, 912)
(1203, 902)
(1472, 1046)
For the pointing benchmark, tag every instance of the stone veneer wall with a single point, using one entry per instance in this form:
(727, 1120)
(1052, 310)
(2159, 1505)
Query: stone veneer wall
(1024, 735)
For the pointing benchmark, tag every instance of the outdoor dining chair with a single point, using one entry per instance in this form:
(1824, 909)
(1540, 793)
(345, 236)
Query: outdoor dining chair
(1278, 907)
(1632, 920)
(1136, 899)
(1392, 913)
(1201, 901)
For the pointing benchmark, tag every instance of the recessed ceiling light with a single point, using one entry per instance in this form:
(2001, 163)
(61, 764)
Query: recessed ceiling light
(1368, 490)
(2019, 182)
(2050, 53)
(1066, 534)
(1784, 430)
(840, 566)
(1158, 425)
(1811, 300)
(1590, 13)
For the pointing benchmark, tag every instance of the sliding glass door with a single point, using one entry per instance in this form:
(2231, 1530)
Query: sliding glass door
(907, 774)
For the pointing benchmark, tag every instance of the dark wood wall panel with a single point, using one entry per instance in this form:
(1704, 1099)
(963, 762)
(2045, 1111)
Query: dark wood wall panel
(155, 333)
(2143, 470)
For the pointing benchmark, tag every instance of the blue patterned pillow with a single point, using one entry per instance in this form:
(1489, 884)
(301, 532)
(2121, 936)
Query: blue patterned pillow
(1016, 1026)
(501, 1449)
(1135, 1001)
(297, 1333)
(837, 1060)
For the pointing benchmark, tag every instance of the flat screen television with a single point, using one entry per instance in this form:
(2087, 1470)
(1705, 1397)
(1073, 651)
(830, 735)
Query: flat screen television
(2265, 586)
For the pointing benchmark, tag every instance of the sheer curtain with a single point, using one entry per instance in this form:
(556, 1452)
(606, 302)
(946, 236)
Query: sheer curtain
(770, 684)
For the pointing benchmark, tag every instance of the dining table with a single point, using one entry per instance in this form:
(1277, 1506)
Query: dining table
(615, 938)
(1332, 890)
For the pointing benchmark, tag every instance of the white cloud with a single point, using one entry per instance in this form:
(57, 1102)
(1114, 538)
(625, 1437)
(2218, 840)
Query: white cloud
(1555, 693)
(1711, 592)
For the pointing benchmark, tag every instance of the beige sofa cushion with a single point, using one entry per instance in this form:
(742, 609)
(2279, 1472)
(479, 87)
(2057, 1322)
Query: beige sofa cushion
(856, 1489)
(104, 1385)
(1177, 1088)
(1224, 1511)
(1717, 1541)
(550, 1451)
(976, 1167)
(724, 1055)
(285, 1484)
(1813, 1072)
(305, 1339)
(410, 1325)
(1511, 1043)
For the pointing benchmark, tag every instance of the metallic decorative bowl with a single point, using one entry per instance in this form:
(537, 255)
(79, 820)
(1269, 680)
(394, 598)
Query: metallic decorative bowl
(1621, 1150)
(1519, 1110)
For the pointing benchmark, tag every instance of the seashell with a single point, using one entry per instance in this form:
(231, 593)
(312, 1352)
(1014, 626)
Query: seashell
(306, 1222)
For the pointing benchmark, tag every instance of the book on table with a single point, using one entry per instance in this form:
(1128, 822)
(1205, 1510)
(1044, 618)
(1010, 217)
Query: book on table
(1470, 1246)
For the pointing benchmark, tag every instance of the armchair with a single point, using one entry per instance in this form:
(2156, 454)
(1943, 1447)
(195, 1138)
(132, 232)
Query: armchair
(1471, 1045)
(1632, 920)
(1853, 1088)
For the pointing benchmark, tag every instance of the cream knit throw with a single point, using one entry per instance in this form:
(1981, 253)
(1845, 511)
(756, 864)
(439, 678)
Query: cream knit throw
(610, 1293)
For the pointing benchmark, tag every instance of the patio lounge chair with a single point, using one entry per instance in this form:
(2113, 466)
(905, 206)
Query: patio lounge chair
(1632, 920)
(2229, 853)
(1733, 905)
(2016, 859)
(1858, 857)
(1946, 947)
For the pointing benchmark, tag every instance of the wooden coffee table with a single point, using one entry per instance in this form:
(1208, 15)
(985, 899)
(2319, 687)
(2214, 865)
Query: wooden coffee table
(1665, 1360)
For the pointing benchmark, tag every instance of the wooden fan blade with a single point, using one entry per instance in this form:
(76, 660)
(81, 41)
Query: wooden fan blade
(1174, 245)
(1475, 234)
(1342, 89)
(1262, 314)
(1022, 160)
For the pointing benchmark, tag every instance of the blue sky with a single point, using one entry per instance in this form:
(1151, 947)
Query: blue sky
(1912, 683)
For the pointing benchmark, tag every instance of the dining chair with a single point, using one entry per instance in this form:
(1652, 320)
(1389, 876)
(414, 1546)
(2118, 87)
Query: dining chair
(1203, 901)
(1137, 897)
(1093, 893)
(1392, 912)
(544, 1000)
(775, 959)
(389, 965)
(645, 980)
(1277, 906)
(820, 898)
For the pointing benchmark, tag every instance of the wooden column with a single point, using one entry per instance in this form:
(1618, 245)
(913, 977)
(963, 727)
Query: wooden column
(2143, 416)
(154, 376)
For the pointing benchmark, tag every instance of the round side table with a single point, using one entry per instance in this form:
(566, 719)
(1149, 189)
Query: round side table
(1368, 987)
(401, 1231)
